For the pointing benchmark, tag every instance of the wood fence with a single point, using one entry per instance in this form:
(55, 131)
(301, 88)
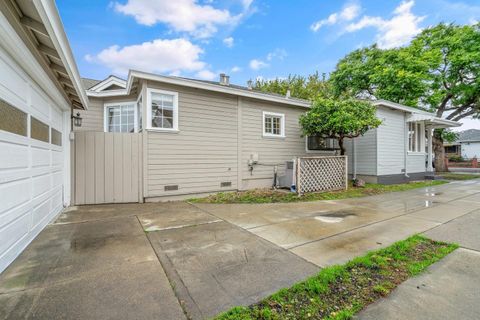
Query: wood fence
(107, 168)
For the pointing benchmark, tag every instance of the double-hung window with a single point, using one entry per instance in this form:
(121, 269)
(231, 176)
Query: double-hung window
(120, 117)
(162, 110)
(416, 137)
(273, 124)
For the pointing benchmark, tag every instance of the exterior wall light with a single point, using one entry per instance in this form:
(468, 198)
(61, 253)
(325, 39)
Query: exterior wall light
(77, 120)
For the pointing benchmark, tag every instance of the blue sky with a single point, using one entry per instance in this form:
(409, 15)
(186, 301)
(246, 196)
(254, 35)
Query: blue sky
(243, 38)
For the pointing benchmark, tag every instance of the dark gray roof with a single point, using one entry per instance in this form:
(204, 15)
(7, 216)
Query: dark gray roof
(88, 83)
(469, 135)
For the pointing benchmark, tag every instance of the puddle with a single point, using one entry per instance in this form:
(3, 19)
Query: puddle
(433, 194)
(334, 217)
(88, 243)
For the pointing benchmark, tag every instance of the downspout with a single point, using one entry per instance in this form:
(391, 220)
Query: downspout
(354, 162)
(405, 141)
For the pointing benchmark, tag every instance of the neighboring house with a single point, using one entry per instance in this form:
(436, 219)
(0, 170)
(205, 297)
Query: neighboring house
(39, 85)
(467, 145)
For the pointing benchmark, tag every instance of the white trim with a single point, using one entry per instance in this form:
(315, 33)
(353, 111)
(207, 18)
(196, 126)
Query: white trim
(282, 124)
(17, 50)
(149, 110)
(137, 112)
(111, 80)
(199, 85)
(119, 104)
(52, 22)
(419, 128)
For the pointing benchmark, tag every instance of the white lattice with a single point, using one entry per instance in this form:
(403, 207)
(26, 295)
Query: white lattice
(316, 174)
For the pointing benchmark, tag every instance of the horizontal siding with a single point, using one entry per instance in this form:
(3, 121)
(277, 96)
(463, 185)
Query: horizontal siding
(204, 151)
(365, 155)
(416, 163)
(271, 151)
(391, 141)
(92, 119)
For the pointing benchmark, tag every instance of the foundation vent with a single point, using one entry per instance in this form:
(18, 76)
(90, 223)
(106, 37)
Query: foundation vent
(225, 184)
(171, 187)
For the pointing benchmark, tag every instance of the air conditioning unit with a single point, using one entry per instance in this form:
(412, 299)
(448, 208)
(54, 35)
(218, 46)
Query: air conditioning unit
(288, 179)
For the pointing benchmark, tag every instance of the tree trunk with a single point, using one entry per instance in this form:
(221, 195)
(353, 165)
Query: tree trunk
(439, 151)
(342, 148)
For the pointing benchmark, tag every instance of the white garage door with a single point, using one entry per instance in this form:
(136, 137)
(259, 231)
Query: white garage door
(31, 159)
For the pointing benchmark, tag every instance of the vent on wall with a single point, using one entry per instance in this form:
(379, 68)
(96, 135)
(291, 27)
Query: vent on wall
(171, 188)
(225, 184)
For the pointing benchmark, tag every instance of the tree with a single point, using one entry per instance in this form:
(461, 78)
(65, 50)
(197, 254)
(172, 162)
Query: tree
(339, 119)
(307, 88)
(438, 72)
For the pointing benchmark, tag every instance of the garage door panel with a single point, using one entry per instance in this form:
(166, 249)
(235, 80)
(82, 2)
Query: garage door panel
(13, 156)
(40, 157)
(41, 107)
(14, 194)
(57, 158)
(40, 212)
(11, 80)
(14, 231)
(57, 178)
(41, 184)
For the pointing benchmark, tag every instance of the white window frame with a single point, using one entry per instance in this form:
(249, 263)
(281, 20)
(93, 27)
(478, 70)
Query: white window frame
(137, 129)
(282, 124)
(120, 103)
(419, 130)
(149, 110)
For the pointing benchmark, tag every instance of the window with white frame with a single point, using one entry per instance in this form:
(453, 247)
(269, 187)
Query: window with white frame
(162, 110)
(416, 137)
(120, 117)
(273, 124)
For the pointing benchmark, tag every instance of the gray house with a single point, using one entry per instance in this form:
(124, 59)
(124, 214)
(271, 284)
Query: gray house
(200, 136)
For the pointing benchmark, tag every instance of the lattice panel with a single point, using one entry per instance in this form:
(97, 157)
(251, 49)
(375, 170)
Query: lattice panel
(315, 174)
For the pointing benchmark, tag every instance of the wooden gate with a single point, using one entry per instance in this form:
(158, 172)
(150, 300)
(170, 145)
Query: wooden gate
(106, 167)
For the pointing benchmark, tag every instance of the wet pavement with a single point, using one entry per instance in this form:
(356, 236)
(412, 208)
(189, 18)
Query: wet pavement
(165, 260)
(449, 289)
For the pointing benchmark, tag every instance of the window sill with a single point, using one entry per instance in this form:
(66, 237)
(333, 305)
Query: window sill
(163, 130)
(411, 153)
(271, 136)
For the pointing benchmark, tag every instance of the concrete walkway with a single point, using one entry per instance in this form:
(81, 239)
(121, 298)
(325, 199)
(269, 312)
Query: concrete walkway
(450, 289)
(168, 260)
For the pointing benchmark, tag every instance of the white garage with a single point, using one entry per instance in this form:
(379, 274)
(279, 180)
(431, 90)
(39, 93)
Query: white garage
(39, 86)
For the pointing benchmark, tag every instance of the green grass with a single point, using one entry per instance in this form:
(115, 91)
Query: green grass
(270, 196)
(338, 292)
(458, 176)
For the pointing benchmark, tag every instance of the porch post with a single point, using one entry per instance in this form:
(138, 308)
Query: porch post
(429, 149)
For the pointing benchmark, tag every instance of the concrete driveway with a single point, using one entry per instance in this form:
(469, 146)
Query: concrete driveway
(172, 260)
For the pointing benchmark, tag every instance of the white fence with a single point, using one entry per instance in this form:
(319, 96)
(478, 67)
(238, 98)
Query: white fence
(316, 174)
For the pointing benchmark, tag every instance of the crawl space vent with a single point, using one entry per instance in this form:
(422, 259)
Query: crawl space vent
(225, 184)
(171, 188)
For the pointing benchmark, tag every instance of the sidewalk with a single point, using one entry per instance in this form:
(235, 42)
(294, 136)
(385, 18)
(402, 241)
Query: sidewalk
(450, 289)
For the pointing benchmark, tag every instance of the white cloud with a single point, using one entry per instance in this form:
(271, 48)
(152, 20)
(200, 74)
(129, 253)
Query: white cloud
(348, 13)
(206, 75)
(393, 32)
(256, 64)
(199, 20)
(228, 42)
(236, 69)
(162, 56)
(279, 54)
